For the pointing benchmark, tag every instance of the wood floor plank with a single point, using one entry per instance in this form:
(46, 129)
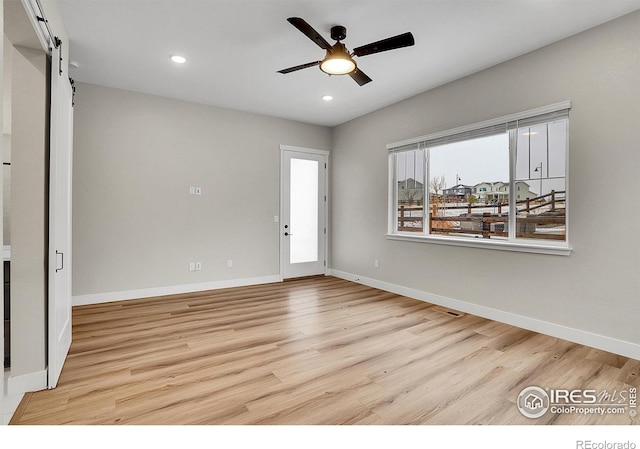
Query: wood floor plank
(317, 350)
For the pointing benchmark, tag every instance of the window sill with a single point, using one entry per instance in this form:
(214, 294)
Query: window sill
(486, 244)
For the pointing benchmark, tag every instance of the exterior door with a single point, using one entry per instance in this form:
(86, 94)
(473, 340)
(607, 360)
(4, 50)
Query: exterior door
(303, 223)
(59, 320)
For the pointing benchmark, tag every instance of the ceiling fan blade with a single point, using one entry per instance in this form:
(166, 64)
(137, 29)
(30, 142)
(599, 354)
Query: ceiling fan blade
(308, 31)
(300, 67)
(390, 43)
(360, 77)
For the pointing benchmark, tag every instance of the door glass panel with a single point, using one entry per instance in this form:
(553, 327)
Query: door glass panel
(304, 211)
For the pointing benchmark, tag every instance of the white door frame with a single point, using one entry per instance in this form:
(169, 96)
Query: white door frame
(325, 153)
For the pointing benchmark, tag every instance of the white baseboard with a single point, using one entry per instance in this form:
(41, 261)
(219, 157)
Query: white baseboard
(620, 347)
(27, 382)
(98, 298)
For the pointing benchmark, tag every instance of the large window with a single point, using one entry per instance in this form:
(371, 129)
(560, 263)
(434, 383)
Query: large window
(501, 182)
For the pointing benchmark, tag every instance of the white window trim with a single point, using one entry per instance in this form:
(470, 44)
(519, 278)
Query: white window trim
(547, 247)
(485, 243)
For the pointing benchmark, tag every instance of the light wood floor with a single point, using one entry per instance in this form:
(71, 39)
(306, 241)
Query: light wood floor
(311, 351)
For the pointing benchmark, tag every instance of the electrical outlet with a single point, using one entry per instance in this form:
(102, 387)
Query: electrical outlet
(198, 190)
(192, 266)
(192, 190)
(198, 266)
(376, 264)
(229, 263)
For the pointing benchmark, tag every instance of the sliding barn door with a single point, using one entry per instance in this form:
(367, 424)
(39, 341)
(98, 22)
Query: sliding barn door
(61, 140)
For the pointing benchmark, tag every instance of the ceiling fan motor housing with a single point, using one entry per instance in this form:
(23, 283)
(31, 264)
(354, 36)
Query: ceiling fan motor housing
(338, 33)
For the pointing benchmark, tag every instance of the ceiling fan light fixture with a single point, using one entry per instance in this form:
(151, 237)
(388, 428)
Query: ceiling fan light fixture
(338, 64)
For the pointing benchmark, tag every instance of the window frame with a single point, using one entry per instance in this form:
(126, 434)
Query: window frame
(511, 124)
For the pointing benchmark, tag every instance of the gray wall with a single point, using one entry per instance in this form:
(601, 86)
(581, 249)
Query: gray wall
(135, 226)
(2, 126)
(595, 289)
(28, 212)
(6, 141)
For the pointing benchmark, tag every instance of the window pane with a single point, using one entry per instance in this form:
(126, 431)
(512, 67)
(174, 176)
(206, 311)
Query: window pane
(410, 190)
(541, 182)
(558, 149)
(304, 211)
(469, 188)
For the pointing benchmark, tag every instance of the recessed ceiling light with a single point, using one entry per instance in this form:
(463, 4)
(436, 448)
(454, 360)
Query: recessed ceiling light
(178, 59)
(327, 97)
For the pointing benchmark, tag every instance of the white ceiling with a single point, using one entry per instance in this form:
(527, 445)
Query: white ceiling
(235, 47)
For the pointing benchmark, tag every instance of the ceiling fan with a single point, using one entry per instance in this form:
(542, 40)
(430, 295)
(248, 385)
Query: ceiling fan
(338, 60)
